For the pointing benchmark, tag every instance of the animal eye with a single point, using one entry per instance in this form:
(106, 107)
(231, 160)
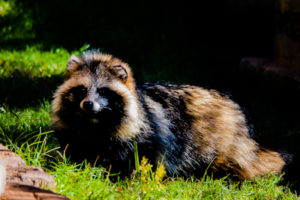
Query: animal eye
(101, 91)
(79, 91)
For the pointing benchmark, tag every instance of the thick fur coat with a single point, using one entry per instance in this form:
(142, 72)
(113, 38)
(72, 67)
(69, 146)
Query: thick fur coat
(100, 112)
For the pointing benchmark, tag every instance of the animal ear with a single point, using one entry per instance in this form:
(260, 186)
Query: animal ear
(120, 72)
(73, 63)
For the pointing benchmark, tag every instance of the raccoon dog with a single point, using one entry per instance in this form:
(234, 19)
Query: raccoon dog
(100, 111)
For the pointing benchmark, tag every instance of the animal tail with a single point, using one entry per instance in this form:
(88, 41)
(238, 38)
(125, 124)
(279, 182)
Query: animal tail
(267, 161)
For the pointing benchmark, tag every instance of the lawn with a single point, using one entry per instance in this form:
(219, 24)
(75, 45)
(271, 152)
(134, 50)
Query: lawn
(28, 79)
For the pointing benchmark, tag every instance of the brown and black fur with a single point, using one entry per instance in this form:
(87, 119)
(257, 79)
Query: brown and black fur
(187, 126)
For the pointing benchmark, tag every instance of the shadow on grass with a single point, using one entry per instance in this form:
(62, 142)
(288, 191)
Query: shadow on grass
(26, 93)
(23, 91)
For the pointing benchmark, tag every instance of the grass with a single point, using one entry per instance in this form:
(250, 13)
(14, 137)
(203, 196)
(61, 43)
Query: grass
(26, 128)
(32, 62)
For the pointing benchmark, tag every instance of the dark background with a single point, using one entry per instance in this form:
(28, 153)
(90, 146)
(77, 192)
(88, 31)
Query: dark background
(184, 42)
(151, 33)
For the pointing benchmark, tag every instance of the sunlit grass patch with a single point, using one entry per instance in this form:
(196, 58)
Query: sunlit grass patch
(148, 183)
(33, 62)
(86, 182)
(16, 121)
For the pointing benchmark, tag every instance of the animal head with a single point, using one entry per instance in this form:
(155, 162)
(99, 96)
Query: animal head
(99, 89)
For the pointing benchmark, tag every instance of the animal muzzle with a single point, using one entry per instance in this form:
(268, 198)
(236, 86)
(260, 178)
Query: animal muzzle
(90, 106)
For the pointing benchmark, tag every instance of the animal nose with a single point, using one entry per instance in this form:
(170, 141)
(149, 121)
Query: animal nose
(88, 105)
